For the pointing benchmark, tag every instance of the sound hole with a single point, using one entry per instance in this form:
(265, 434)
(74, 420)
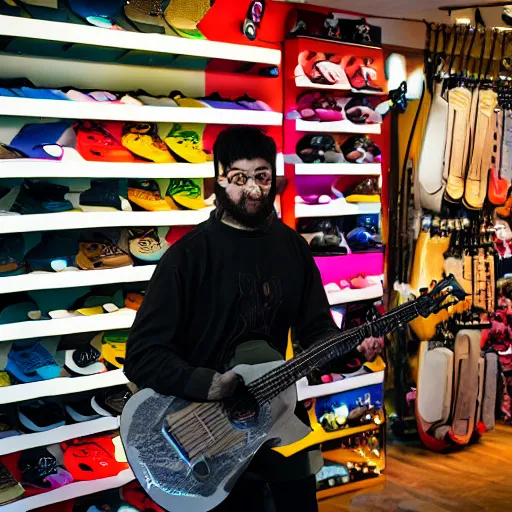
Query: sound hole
(201, 470)
(242, 409)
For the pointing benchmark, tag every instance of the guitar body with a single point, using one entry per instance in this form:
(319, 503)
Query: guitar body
(188, 456)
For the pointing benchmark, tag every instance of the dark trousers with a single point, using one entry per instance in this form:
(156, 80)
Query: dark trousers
(258, 496)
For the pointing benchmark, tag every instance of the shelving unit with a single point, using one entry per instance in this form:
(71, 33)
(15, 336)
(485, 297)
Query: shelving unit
(344, 126)
(344, 169)
(353, 295)
(336, 208)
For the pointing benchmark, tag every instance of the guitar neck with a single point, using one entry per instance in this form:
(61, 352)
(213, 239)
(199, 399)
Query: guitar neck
(336, 345)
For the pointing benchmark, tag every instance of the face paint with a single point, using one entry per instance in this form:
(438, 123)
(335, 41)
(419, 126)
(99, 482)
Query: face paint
(244, 189)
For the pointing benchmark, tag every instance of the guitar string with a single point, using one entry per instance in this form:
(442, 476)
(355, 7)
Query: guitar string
(265, 386)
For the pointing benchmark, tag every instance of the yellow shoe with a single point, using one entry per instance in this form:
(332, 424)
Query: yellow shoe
(113, 348)
(186, 193)
(184, 16)
(143, 140)
(5, 380)
(183, 101)
(184, 140)
(146, 195)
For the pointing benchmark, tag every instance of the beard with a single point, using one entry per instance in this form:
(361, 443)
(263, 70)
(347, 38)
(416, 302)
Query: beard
(238, 211)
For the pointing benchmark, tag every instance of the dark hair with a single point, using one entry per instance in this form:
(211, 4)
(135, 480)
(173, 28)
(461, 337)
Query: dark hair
(243, 142)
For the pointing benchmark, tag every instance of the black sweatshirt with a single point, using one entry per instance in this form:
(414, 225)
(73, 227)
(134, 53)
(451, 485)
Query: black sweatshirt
(215, 289)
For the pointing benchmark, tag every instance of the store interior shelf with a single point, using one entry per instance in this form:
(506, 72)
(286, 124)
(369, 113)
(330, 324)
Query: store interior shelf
(122, 319)
(68, 492)
(81, 220)
(60, 386)
(306, 392)
(344, 169)
(57, 435)
(355, 295)
(344, 126)
(61, 109)
(72, 33)
(335, 208)
(73, 279)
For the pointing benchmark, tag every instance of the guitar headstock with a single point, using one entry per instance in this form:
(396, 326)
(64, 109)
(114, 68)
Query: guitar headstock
(445, 293)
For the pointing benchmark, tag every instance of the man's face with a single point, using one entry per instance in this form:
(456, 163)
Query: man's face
(247, 184)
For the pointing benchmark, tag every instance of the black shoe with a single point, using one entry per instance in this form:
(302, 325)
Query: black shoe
(111, 401)
(41, 469)
(40, 415)
(41, 197)
(80, 410)
(323, 236)
(104, 194)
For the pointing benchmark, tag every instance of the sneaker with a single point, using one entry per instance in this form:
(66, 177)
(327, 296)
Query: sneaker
(134, 300)
(12, 251)
(146, 195)
(319, 106)
(185, 141)
(95, 142)
(183, 101)
(143, 140)
(40, 469)
(7, 199)
(134, 494)
(318, 148)
(85, 360)
(105, 195)
(29, 361)
(10, 153)
(5, 379)
(92, 458)
(159, 101)
(363, 281)
(146, 15)
(41, 415)
(148, 244)
(215, 100)
(360, 149)
(361, 74)
(113, 348)
(80, 410)
(10, 488)
(367, 191)
(185, 193)
(323, 237)
(53, 253)
(102, 300)
(184, 17)
(44, 140)
(41, 197)
(251, 104)
(361, 110)
(16, 308)
(101, 254)
(360, 239)
(111, 401)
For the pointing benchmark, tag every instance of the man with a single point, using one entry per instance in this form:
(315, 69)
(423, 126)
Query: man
(227, 293)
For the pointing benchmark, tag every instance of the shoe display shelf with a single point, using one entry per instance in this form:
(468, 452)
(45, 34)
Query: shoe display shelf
(68, 492)
(353, 295)
(57, 435)
(336, 208)
(343, 169)
(344, 126)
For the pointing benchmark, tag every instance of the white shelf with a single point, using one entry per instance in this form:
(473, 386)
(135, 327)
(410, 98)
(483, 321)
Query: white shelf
(73, 279)
(71, 491)
(82, 220)
(122, 319)
(60, 386)
(61, 109)
(355, 295)
(159, 43)
(57, 435)
(72, 168)
(35, 168)
(335, 208)
(343, 169)
(344, 126)
(306, 392)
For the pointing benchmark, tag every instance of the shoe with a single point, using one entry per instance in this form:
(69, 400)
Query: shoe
(184, 17)
(318, 148)
(143, 140)
(96, 142)
(44, 140)
(40, 469)
(40, 415)
(251, 104)
(134, 300)
(29, 361)
(312, 199)
(104, 14)
(80, 410)
(10, 488)
(185, 193)
(105, 195)
(146, 195)
(41, 197)
(323, 237)
(53, 253)
(7, 199)
(320, 69)
(318, 106)
(92, 458)
(183, 101)
(185, 142)
(134, 495)
(362, 76)
(360, 239)
(12, 251)
(159, 101)
(102, 300)
(113, 348)
(16, 308)
(363, 281)
(85, 360)
(10, 153)
(360, 149)
(215, 100)
(5, 379)
(101, 254)
(148, 244)
(365, 192)
(361, 110)
(111, 401)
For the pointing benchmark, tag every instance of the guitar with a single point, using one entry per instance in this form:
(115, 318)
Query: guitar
(188, 456)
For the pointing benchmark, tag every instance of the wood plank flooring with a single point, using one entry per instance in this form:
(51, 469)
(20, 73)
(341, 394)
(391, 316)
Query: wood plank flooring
(475, 479)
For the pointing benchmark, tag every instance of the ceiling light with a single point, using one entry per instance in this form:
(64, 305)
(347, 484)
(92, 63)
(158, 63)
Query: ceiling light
(463, 21)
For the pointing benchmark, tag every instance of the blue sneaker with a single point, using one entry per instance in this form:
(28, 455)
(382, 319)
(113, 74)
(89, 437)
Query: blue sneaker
(29, 361)
(41, 197)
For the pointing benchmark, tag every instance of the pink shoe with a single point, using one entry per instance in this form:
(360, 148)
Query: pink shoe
(360, 281)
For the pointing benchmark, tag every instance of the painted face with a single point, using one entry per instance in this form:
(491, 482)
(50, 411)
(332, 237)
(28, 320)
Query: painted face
(247, 185)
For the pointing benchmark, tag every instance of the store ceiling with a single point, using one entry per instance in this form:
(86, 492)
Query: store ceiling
(415, 9)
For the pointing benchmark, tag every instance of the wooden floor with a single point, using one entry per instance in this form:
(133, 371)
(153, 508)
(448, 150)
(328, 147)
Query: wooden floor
(477, 478)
